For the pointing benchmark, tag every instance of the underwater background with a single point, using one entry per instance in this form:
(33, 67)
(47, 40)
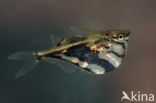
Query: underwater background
(25, 25)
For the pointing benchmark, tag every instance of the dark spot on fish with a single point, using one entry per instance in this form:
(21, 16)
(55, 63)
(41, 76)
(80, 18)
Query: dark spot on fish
(84, 53)
(122, 44)
(115, 53)
(106, 34)
(98, 41)
(107, 47)
(94, 59)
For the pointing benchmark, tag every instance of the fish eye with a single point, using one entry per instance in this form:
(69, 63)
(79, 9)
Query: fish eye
(120, 36)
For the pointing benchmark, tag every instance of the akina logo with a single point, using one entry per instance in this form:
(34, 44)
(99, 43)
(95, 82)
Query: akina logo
(137, 96)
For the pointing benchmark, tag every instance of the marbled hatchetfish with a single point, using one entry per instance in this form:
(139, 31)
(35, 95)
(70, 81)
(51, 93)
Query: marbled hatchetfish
(93, 52)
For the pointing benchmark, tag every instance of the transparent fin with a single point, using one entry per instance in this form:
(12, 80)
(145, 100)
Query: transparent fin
(21, 56)
(81, 30)
(54, 40)
(28, 66)
(66, 66)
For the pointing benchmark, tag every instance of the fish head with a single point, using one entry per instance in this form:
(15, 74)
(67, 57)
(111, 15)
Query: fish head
(116, 36)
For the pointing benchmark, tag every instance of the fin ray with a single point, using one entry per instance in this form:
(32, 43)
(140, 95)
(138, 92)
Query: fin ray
(66, 66)
(54, 40)
(28, 66)
(31, 62)
(21, 56)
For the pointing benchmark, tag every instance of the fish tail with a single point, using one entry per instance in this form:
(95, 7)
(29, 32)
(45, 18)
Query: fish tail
(31, 61)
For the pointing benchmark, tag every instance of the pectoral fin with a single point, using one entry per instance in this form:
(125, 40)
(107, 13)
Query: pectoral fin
(66, 66)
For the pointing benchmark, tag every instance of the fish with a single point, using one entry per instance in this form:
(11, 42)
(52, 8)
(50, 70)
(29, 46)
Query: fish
(95, 52)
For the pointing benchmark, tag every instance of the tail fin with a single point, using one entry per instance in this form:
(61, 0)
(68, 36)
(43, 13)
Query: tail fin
(31, 62)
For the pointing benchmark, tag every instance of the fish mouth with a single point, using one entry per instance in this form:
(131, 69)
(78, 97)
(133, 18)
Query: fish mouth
(127, 34)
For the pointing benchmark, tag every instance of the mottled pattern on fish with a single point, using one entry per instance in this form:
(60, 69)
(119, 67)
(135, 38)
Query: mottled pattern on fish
(98, 55)
(94, 52)
(84, 55)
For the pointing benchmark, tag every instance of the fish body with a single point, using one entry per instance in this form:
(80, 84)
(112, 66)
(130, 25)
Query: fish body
(94, 52)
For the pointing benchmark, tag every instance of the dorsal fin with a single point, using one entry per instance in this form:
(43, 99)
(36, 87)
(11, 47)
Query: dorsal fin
(54, 40)
(70, 40)
(81, 34)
